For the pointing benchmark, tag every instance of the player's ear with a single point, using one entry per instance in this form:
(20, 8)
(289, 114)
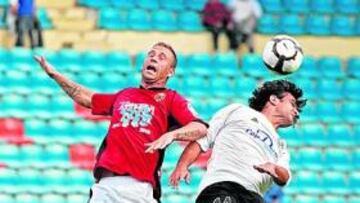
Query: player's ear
(171, 72)
(273, 99)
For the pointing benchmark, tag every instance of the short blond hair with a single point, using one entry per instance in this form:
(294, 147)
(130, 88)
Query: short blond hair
(169, 47)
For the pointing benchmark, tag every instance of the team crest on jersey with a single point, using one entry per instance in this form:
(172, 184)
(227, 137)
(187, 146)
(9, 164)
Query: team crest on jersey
(159, 97)
(255, 120)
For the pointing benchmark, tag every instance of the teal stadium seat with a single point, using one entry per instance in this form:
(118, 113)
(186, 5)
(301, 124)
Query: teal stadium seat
(43, 16)
(354, 182)
(35, 127)
(40, 82)
(9, 153)
(27, 198)
(173, 153)
(139, 19)
(350, 111)
(62, 105)
(112, 83)
(30, 177)
(308, 182)
(90, 80)
(123, 4)
(334, 183)
(347, 6)
(309, 68)
(14, 104)
(272, 6)
(222, 87)
(340, 135)
(189, 21)
(172, 5)
(196, 86)
(93, 58)
(7, 198)
(268, 24)
(291, 24)
(357, 26)
(67, 56)
(244, 86)
(309, 113)
(353, 67)
(316, 24)
(314, 134)
(225, 64)
(310, 158)
(253, 65)
(333, 199)
(84, 129)
(32, 152)
(79, 177)
(330, 89)
(148, 4)
(21, 55)
(112, 19)
(322, 6)
(306, 199)
(196, 5)
(297, 6)
(357, 137)
(342, 25)
(200, 64)
(39, 105)
(117, 58)
(54, 177)
(352, 89)
(53, 198)
(164, 20)
(56, 153)
(293, 136)
(215, 104)
(329, 112)
(338, 159)
(354, 199)
(94, 3)
(78, 198)
(330, 66)
(59, 128)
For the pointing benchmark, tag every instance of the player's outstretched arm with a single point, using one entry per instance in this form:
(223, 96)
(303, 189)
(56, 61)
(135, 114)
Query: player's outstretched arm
(181, 172)
(190, 132)
(78, 93)
(279, 174)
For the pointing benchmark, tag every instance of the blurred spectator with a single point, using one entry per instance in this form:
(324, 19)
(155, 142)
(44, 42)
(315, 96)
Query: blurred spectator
(11, 16)
(27, 22)
(274, 194)
(245, 14)
(217, 19)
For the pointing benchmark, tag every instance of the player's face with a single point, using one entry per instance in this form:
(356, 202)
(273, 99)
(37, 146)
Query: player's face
(158, 65)
(288, 110)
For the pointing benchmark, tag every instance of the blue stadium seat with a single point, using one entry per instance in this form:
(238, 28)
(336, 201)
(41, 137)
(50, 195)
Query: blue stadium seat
(272, 6)
(330, 67)
(342, 25)
(352, 89)
(310, 158)
(314, 134)
(338, 159)
(196, 5)
(334, 182)
(309, 68)
(164, 20)
(148, 4)
(317, 25)
(340, 135)
(112, 19)
(297, 6)
(350, 111)
(173, 5)
(353, 66)
(139, 19)
(291, 24)
(330, 89)
(189, 21)
(268, 24)
(123, 4)
(322, 6)
(347, 6)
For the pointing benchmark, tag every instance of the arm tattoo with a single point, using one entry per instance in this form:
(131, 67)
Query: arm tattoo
(189, 135)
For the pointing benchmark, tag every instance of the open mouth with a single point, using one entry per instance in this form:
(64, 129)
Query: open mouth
(151, 68)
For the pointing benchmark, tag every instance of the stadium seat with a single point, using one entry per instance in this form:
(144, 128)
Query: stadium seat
(297, 6)
(39, 104)
(352, 89)
(9, 153)
(7, 198)
(56, 153)
(54, 177)
(268, 24)
(309, 88)
(330, 89)
(164, 20)
(330, 66)
(21, 55)
(314, 134)
(173, 153)
(123, 4)
(77, 198)
(309, 112)
(53, 198)
(347, 6)
(308, 182)
(32, 152)
(172, 5)
(58, 128)
(309, 68)
(139, 19)
(62, 105)
(82, 155)
(44, 18)
(357, 26)
(322, 6)
(148, 4)
(356, 153)
(215, 104)
(342, 25)
(333, 199)
(222, 87)
(199, 60)
(354, 182)
(189, 21)
(245, 86)
(253, 65)
(79, 177)
(93, 58)
(353, 67)
(27, 198)
(66, 57)
(350, 111)
(196, 86)
(116, 58)
(196, 5)
(329, 111)
(16, 80)
(334, 182)
(310, 159)
(338, 159)
(225, 64)
(306, 199)
(112, 19)
(292, 136)
(11, 128)
(272, 6)
(317, 25)
(30, 177)
(354, 199)
(340, 135)
(291, 24)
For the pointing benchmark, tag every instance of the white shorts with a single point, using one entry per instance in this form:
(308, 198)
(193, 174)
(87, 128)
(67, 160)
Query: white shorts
(122, 189)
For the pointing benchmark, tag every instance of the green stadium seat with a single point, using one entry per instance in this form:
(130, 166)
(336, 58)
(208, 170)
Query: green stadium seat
(314, 134)
(338, 159)
(112, 19)
(164, 20)
(334, 183)
(310, 158)
(148, 4)
(272, 6)
(297, 6)
(268, 24)
(347, 6)
(330, 89)
(322, 6)
(172, 5)
(139, 19)
(342, 25)
(123, 4)
(291, 24)
(340, 135)
(317, 25)
(353, 67)
(189, 21)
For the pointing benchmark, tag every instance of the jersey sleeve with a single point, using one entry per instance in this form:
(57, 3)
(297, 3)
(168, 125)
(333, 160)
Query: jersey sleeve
(182, 110)
(102, 104)
(216, 124)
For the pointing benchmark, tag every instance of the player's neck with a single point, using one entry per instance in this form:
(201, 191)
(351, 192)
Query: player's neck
(272, 117)
(146, 85)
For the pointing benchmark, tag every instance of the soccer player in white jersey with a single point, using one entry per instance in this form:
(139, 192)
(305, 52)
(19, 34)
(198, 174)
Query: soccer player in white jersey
(247, 153)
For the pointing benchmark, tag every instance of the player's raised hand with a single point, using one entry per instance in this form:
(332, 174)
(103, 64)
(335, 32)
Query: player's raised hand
(48, 68)
(160, 143)
(268, 168)
(180, 173)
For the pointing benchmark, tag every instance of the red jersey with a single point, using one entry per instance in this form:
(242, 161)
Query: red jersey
(139, 116)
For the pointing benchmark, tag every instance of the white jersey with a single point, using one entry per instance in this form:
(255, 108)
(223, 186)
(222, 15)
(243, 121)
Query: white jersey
(240, 138)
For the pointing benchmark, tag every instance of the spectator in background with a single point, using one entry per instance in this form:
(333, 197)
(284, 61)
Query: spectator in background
(27, 22)
(245, 14)
(274, 195)
(217, 19)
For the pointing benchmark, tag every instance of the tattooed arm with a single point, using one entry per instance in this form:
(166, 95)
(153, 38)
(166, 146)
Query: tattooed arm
(78, 93)
(190, 132)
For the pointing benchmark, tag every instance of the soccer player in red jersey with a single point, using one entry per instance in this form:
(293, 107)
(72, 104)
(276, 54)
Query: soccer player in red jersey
(130, 156)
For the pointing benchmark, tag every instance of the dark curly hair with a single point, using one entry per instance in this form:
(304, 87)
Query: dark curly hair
(278, 88)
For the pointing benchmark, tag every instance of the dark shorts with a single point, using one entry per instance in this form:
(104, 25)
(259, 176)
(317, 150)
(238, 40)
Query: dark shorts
(228, 192)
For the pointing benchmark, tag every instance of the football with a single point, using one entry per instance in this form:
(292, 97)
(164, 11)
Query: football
(282, 54)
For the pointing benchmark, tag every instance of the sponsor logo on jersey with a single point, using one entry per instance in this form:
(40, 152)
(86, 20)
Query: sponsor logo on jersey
(136, 114)
(159, 97)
